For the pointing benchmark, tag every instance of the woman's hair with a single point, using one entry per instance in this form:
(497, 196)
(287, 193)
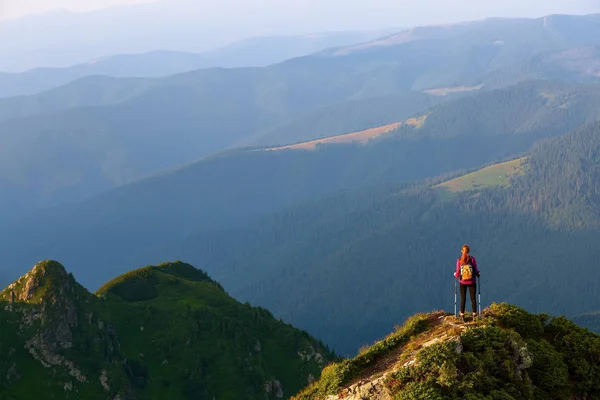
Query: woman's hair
(465, 257)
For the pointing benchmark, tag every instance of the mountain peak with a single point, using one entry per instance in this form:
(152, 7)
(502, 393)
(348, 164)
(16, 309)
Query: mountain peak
(508, 353)
(44, 280)
(145, 283)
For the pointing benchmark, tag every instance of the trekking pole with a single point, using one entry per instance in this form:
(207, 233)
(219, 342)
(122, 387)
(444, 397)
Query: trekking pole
(455, 279)
(479, 297)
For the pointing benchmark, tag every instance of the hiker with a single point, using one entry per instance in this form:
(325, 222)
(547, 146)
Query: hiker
(466, 271)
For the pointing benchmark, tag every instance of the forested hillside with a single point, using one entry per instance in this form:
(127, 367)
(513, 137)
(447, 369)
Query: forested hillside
(386, 256)
(106, 132)
(491, 52)
(157, 332)
(347, 117)
(123, 137)
(588, 320)
(138, 222)
(577, 64)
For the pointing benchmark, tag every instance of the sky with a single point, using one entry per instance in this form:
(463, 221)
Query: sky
(419, 11)
(10, 9)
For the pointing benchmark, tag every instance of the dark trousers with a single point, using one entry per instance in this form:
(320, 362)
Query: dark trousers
(463, 296)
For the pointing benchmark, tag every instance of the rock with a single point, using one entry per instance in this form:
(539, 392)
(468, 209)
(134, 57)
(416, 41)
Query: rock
(104, 381)
(311, 354)
(12, 375)
(274, 388)
(432, 342)
(365, 389)
(458, 346)
(522, 357)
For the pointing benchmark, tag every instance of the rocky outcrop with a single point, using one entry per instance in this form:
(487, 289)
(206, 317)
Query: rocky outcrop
(274, 389)
(311, 354)
(46, 304)
(45, 298)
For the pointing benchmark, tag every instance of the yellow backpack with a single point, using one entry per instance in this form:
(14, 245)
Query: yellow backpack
(466, 270)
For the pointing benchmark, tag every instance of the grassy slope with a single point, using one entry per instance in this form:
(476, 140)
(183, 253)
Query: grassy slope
(493, 175)
(361, 137)
(508, 354)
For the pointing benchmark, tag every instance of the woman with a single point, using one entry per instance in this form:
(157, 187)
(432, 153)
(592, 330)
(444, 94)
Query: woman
(466, 271)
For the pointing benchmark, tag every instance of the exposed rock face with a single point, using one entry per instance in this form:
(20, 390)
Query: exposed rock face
(365, 389)
(12, 375)
(274, 389)
(522, 357)
(104, 380)
(45, 304)
(52, 294)
(311, 354)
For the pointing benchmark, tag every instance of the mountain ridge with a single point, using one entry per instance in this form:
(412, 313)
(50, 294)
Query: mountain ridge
(507, 353)
(252, 52)
(166, 331)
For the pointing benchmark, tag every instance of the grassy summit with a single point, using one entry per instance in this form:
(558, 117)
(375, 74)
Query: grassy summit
(508, 354)
(160, 332)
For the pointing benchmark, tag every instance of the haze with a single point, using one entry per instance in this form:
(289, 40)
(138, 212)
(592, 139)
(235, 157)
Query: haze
(341, 14)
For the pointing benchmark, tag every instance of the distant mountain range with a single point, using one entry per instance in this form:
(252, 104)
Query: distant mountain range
(117, 126)
(254, 52)
(62, 38)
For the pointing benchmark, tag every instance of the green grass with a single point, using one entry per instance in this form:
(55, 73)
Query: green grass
(494, 175)
(336, 375)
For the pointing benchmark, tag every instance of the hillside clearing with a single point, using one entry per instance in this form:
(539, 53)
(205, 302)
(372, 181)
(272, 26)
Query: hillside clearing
(360, 137)
(494, 175)
(448, 90)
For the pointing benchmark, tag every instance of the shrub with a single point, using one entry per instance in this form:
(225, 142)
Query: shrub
(512, 317)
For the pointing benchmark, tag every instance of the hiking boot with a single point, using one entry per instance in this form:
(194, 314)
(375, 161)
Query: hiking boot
(461, 317)
(475, 316)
